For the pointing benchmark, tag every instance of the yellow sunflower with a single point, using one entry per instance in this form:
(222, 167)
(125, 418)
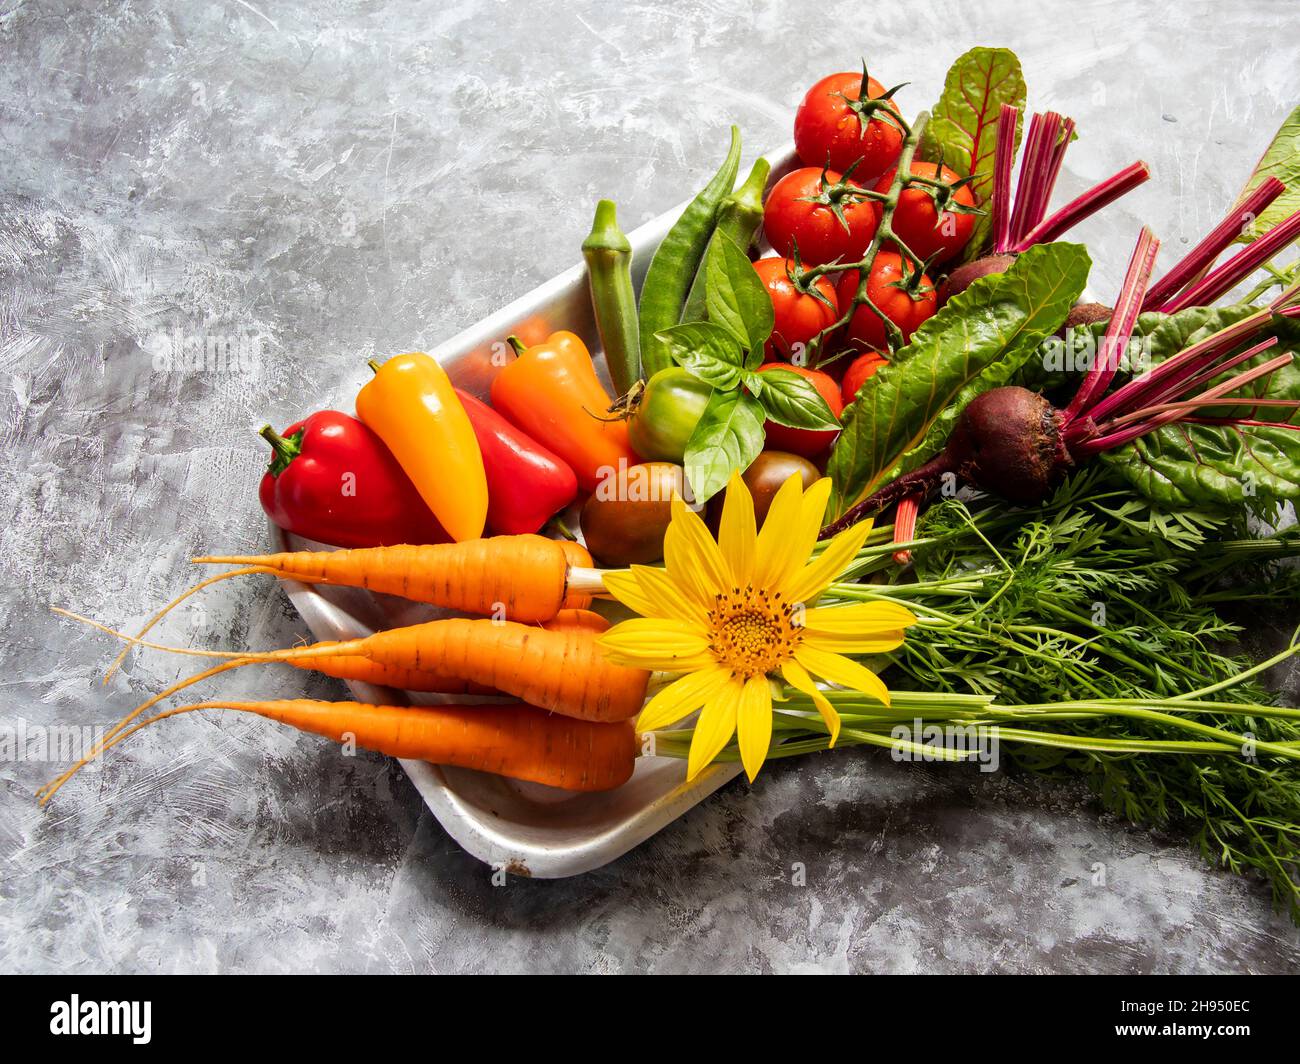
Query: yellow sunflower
(732, 615)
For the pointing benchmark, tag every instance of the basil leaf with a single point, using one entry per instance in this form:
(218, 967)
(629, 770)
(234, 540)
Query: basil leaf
(706, 351)
(979, 340)
(1280, 160)
(1217, 466)
(735, 296)
(728, 437)
(792, 400)
(963, 127)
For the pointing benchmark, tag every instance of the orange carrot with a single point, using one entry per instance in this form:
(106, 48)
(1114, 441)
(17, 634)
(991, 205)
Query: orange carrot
(562, 670)
(516, 740)
(522, 578)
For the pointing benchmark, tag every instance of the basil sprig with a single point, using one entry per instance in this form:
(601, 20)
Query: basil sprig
(725, 352)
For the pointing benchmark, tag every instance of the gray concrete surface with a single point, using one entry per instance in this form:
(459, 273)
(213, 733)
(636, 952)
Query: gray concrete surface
(323, 182)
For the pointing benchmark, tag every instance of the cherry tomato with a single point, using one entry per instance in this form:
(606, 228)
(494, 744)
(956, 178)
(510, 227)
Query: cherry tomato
(859, 370)
(933, 236)
(806, 442)
(764, 478)
(670, 407)
(799, 316)
(624, 522)
(907, 310)
(828, 126)
(789, 219)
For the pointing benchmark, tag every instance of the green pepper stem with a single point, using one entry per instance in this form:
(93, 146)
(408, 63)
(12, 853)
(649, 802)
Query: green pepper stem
(286, 450)
(516, 343)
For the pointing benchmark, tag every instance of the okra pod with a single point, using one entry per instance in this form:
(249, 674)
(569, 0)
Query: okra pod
(609, 273)
(673, 268)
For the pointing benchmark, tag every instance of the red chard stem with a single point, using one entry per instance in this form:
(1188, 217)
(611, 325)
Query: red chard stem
(1181, 367)
(1203, 255)
(905, 514)
(1120, 328)
(1004, 161)
(1038, 143)
(1085, 205)
(1238, 268)
(1154, 421)
(1207, 375)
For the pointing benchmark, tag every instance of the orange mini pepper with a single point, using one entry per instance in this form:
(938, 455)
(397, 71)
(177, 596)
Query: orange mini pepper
(413, 407)
(551, 391)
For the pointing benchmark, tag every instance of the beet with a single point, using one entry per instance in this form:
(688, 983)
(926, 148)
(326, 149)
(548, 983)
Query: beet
(968, 273)
(1084, 314)
(1008, 441)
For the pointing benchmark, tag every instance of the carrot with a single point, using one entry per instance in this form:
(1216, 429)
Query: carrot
(561, 670)
(341, 666)
(523, 578)
(516, 740)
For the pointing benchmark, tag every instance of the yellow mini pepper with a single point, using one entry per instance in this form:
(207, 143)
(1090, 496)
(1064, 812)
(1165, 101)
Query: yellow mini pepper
(412, 406)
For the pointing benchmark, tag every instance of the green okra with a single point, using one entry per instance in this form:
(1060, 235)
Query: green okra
(608, 254)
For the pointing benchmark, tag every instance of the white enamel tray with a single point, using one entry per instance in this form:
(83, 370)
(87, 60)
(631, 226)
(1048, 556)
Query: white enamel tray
(525, 828)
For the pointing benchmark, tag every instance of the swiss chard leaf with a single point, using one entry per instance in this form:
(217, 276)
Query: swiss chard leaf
(707, 351)
(789, 399)
(1280, 160)
(735, 296)
(979, 340)
(1216, 466)
(728, 436)
(963, 126)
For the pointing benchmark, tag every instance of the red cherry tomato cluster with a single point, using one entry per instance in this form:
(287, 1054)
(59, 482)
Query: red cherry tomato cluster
(849, 135)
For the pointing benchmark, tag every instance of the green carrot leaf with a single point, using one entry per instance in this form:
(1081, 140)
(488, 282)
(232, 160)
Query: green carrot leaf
(728, 436)
(979, 340)
(963, 127)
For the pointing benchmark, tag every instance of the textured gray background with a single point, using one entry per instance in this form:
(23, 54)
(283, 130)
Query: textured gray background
(371, 177)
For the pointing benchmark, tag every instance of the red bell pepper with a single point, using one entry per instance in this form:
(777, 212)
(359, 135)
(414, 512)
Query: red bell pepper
(527, 484)
(332, 479)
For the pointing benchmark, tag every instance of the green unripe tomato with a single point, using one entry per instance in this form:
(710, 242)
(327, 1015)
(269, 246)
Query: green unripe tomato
(671, 406)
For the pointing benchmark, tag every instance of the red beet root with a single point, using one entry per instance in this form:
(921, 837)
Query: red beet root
(968, 273)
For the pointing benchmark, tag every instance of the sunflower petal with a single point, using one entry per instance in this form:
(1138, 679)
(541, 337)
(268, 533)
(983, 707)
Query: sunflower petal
(840, 643)
(841, 670)
(805, 586)
(754, 724)
(657, 586)
(773, 552)
(860, 618)
(681, 698)
(797, 677)
(737, 537)
(692, 557)
(627, 589)
(655, 643)
(714, 729)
